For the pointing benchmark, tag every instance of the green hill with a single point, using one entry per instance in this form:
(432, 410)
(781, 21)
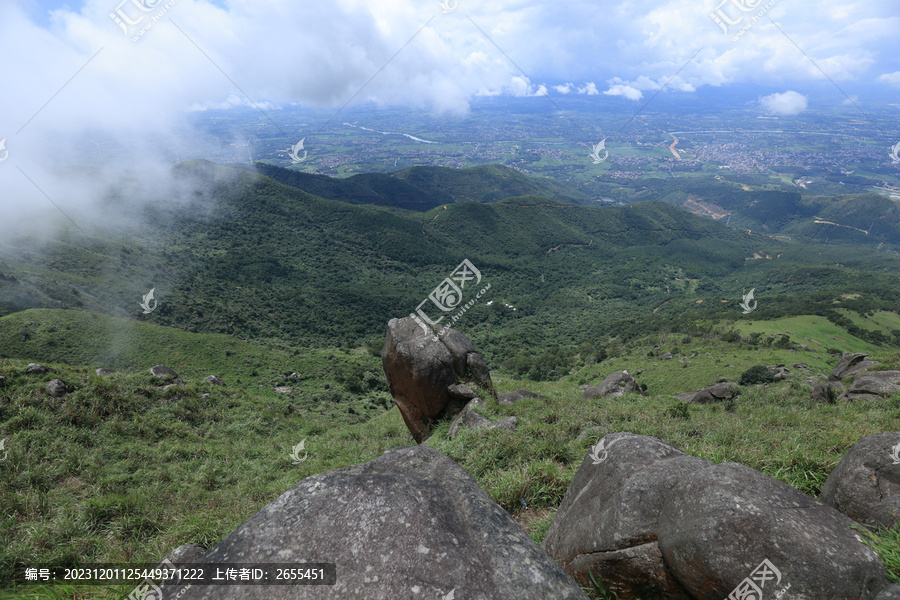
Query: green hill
(422, 188)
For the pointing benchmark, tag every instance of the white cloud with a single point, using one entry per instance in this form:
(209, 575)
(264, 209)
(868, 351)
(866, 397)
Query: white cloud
(789, 103)
(624, 90)
(564, 89)
(890, 78)
(590, 89)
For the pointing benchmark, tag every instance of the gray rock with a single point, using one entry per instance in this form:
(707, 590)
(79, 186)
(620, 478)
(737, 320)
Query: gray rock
(866, 478)
(186, 554)
(513, 397)
(411, 524)
(57, 388)
(891, 592)
(615, 385)
(820, 392)
(102, 372)
(607, 522)
(213, 380)
(718, 524)
(665, 356)
(461, 391)
(686, 396)
(163, 371)
(420, 368)
(716, 393)
(847, 360)
(283, 389)
(36, 369)
(468, 418)
(873, 385)
(509, 423)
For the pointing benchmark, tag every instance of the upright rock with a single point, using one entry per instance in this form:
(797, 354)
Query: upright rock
(422, 369)
(409, 525)
(850, 364)
(865, 485)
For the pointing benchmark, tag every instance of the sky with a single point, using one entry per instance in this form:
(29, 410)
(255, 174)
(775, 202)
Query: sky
(135, 70)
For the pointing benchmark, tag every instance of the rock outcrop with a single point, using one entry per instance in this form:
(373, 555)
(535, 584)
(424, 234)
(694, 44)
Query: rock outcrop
(411, 524)
(614, 385)
(608, 520)
(421, 368)
(873, 385)
(849, 365)
(865, 485)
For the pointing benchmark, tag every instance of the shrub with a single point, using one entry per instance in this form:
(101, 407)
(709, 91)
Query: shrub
(757, 374)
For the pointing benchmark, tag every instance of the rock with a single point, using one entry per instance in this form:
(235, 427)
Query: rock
(607, 521)
(36, 369)
(461, 391)
(867, 477)
(102, 372)
(295, 376)
(57, 388)
(513, 397)
(283, 389)
(717, 525)
(847, 361)
(873, 385)
(420, 368)
(891, 592)
(716, 393)
(188, 553)
(665, 356)
(614, 385)
(686, 396)
(471, 419)
(779, 373)
(213, 380)
(722, 380)
(409, 524)
(163, 371)
(820, 392)
(800, 365)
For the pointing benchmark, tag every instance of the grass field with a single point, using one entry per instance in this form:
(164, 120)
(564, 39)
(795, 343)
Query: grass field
(122, 470)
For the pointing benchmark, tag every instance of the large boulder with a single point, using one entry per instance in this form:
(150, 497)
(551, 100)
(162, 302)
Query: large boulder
(411, 524)
(827, 391)
(865, 485)
(36, 369)
(850, 364)
(57, 388)
(615, 385)
(873, 385)
(718, 524)
(607, 521)
(513, 397)
(891, 592)
(421, 368)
